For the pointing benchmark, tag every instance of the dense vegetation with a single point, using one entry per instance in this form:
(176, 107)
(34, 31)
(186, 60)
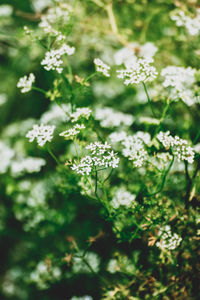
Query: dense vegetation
(99, 149)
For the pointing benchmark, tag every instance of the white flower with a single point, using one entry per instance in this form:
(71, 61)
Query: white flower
(129, 54)
(191, 24)
(3, 99)
(112, 118)
(100, 157)
(79, 266)
(53, 60)
(72, 132)
(124, 198)
(6, 10)
(113, 266)
(133, 148)
(6, 154)
(116, 137)
(180, 147)
(141, 71)
(56, 114)
(81, 112)
(28, 164)
(180, 80)
(82, 298)
(42, 133)
(56, 15)
(168, 240)
(101, 67)
(25, 83)
(41, 275)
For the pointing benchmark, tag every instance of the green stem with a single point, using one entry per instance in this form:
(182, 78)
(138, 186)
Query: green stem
(163, 116)
(163, 180)
(53, 156)
(39, 89)
(148, 98)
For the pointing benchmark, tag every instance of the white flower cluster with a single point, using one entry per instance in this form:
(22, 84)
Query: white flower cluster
(6, 10)
(56, 114)
(28, 164)
(109, 117)
(117, 136)
(42, 133)
(181, 149)
(129, 54)
(72, 132)
(101, 156)
(133, 148)
(141, 71)
(41, 275)
(82, 298)
(191, 24)
(181, 81)
(6, 154)
(53, 58)
(3, 99)
(101, 67)
(113, 266)
(25, 83)
(123, 198)
(81, 112)
(168, 240)
(59, 14)
(79, 266)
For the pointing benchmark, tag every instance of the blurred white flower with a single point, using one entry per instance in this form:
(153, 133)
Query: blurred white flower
(101, 67)
(6, 154)
(124, 198)
(192, 24)
(27, 165)
(80, 112)
(109, 117)
(79, 265)
(6, 10)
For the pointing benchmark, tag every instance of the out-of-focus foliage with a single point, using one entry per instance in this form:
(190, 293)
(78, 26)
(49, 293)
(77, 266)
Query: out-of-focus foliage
(122, 223)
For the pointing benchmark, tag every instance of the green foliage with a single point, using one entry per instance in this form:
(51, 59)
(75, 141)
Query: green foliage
(100, 158)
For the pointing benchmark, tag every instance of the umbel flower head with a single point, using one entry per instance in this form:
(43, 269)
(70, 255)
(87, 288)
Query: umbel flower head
(180, 147)
(71, 133)
(25, 83)
(53, 60)
(101, 67)
(42, 133)
(141, 71)
(101, 157)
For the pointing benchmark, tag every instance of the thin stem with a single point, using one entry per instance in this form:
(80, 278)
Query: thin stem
(196, 138)
(98, 3)
(96, 182)
(148, 98)
(190, 183)
(53, 156)
(163, 180)
(164, 113)
(76, 150)
(108, 176)
(89, 77)
(113, 24)
(39, 89)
